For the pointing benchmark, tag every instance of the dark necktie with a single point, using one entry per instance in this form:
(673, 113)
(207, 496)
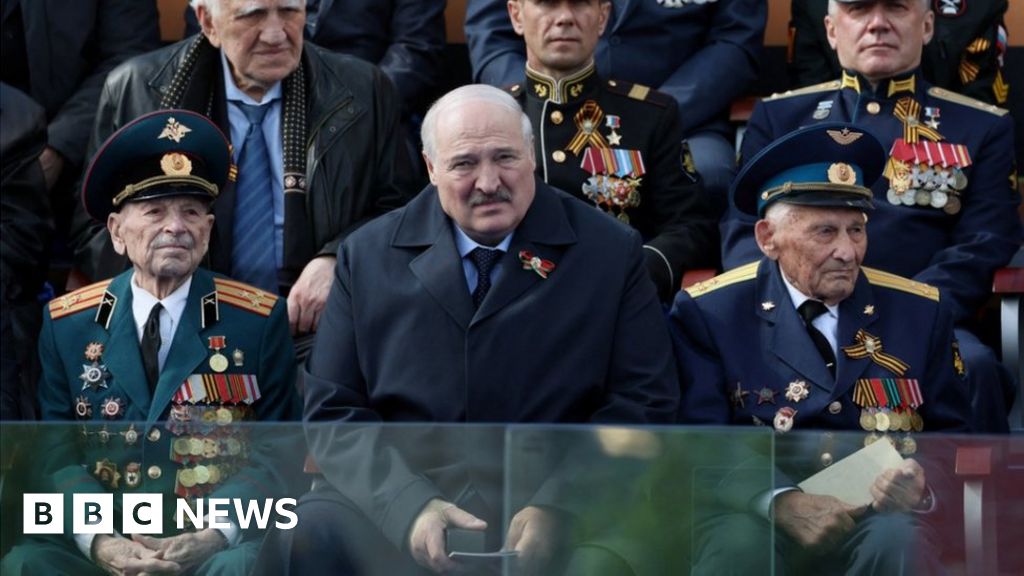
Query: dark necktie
(253, 255)
(810, 310)
(484, 259)
(151, 346)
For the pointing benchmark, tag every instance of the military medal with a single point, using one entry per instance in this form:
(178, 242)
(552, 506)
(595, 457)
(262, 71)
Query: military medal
(867, 420)
(94, 376)
(869, 309)
(737, 395)
(153, 435)
(83, 408)
(823, 110)
(797, 390)
(783, 421)
(106, 472)
(112, 407)
(131, 436)
(132, 475)
(540, 266)
(218, 362)
(187, 478)
(613, 122)
(103, 435)
(202, 474)
(238, 357)
(765, 396)
(224, 417)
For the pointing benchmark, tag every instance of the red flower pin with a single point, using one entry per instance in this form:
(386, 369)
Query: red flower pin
(539, 265)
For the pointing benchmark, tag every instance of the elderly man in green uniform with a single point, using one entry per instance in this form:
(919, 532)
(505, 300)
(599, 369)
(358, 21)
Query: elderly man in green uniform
(611, 143)
(159, 363)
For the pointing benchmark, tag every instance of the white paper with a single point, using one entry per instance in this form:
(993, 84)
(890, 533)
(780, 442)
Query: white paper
(851, 478)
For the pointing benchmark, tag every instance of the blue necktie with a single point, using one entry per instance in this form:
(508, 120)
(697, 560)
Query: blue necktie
(484, 259)
(252, 257)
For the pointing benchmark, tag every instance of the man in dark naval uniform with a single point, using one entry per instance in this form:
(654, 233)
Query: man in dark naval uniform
(611, 143)
(946, 213)
(807, 339)
(158, 364)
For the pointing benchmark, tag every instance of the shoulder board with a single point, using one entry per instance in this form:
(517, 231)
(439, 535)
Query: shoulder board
(734, 276)
(81, 299)
(640, 92)
(823, 87)
(943, 94)
(244, 296)
(887, 280)
(514, 89)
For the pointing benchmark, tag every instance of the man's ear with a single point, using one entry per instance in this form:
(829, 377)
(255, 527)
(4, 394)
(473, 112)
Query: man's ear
(830, 31)
(206, 23)
(516, 16)
(114, 227)
(764, 233)
(430, 168)
(929, 26)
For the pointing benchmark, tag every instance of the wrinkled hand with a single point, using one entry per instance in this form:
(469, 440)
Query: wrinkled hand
(536, 534)
(52, 164)
(817, 523)
(899, 489)
(123, 557)
(188, 550)
(307, 298)
(426, 539)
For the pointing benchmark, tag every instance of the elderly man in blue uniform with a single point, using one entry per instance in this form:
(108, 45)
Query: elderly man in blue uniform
(702, 54)
(159, 362)
(947, 204)
(806, 338)
(612, 144)
(316, 136)
(518, 303)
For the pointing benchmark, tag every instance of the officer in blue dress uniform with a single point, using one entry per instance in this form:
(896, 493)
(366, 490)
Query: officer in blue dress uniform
(613, 144)
(946, 210)
(807, 339)
(159, 363)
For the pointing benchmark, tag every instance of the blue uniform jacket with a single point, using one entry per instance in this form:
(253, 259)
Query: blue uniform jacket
(705, 55)
(739, 334)
(957, 253)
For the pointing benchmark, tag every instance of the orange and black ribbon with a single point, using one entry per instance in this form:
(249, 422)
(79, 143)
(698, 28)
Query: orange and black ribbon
(908, 111)
(588, 121)
(869, 346)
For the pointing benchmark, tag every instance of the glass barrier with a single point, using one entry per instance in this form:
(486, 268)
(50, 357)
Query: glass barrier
(216, 496)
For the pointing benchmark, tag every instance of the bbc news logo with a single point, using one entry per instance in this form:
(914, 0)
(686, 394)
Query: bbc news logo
(142, 513)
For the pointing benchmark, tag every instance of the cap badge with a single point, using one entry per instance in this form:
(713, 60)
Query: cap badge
(841, 173)
(844, 136)
(174, 130)
(176, 164)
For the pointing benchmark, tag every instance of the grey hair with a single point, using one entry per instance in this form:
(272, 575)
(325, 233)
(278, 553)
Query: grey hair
(779, 214)
(461, 96)
(212, 6)
(833, 7)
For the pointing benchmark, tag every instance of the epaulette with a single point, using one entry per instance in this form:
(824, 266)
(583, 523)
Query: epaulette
(823, 87)
(887, 280)
(81, 299)
(244, 296)
(734, 276)
(640, 92)
(514, 89)
(944, 94)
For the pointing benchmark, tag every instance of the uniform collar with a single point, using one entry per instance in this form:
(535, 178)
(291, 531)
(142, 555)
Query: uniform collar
(568, 89)
(895, 87)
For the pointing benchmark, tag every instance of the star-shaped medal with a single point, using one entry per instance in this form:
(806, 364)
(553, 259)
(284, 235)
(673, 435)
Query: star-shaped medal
(767, 305)
(869, 309)
(737, 395)
(614, 139)
(765, 396)
(94, 376)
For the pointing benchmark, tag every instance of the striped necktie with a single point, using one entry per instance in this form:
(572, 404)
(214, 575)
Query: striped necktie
(253, 254)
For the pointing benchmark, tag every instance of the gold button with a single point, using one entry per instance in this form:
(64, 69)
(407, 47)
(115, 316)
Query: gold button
(874, 108)
(556, 117)
(826, 460)
(613, 83)
(835, 407)
(515, 87)
(154, 472)
(558, 156)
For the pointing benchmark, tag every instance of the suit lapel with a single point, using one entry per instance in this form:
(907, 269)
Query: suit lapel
(123, 357)
(788, 338)
(187, 349)
(855, 313)
(544, 232)
(438, 267)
